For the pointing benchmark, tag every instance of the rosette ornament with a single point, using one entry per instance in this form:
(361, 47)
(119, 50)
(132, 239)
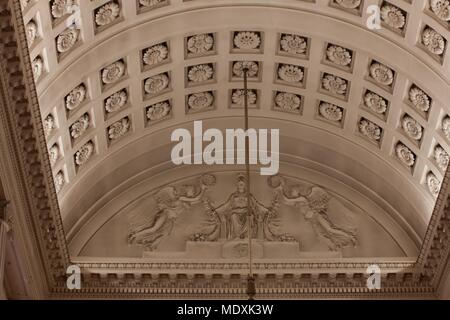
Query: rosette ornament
(150, 3)
(334, 84)
(370, 129)
(393, 16)
(375, 102)
(238, 97)
(200, 73)
(339, 55)
(60, 8)
(84, 154)
(433, 41)
(156, 84)
(200, 43)
(293, 44)
(116, 101)
(76, 97)
(113, 72)
(433, 183)
(158, 111)
(349, 4)
(107, 13)
(290, 73)
(405, 155)
(441, 157)
(60, 181)
(419, 99)
(66, 40)
(252, 67)
(247, 40)
(119, 129)
(200, 101)
(155, 54)
(331, 112)
(288, 101)
(381, 74)
(441, 9)
(412, 128)
(446, 127)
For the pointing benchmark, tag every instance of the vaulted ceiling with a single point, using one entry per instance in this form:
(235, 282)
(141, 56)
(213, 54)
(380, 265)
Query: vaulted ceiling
(114, 78)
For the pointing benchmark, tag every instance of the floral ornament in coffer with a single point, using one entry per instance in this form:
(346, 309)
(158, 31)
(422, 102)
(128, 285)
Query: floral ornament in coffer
(31, 30)
(200, 43)
(381, 73)
(446, 127)
(334, 84)
(155, 54)
(433, 183)
(247, 40)
(405, 155)
(156, 84)
(200, 101)
(393, 16)
(339, 55)
(441, 9)
(419, 99)
(290, 73)
(84, 153)
(79, 127)
(53, 154)
(113, 72)
(331, 112)
(76, 97)
(107, 13)
(158, 111)
(150, 3)
(49, 125)
(433, 41)
(37, 67)
(67, 39)
(289, 102)
(238, 97)
(375, 102)
(116, 101)
(441, 157)
(60, 8)
(370, 129)
(251, 66)
(412, 128)
(119, 129)
(348, 4)
(293, 44)
(60, 181)
(200, 73)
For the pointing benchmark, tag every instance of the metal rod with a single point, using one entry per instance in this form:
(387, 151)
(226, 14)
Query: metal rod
(251, 281)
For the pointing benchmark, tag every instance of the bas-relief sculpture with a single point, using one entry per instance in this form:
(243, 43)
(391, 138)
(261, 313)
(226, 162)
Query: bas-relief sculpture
(225, 224)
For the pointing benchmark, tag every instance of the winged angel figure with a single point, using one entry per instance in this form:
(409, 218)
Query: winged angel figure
(170, 204)
(313, 204)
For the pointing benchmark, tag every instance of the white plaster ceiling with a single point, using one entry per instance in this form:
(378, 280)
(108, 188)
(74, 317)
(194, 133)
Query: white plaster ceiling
(293, 82)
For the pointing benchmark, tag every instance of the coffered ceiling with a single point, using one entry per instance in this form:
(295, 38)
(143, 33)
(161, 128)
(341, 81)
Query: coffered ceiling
(114, 78)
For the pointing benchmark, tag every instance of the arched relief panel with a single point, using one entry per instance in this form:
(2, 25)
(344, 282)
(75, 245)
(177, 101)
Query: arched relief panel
(112, 224)
(347, 168)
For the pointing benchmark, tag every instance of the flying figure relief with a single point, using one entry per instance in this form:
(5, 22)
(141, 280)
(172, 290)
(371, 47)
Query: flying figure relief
(170, 205)
(313, 203)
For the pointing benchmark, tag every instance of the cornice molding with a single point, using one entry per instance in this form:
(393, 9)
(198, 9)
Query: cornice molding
(21, 117)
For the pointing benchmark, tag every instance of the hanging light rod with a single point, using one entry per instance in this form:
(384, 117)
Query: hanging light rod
(251, 288)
